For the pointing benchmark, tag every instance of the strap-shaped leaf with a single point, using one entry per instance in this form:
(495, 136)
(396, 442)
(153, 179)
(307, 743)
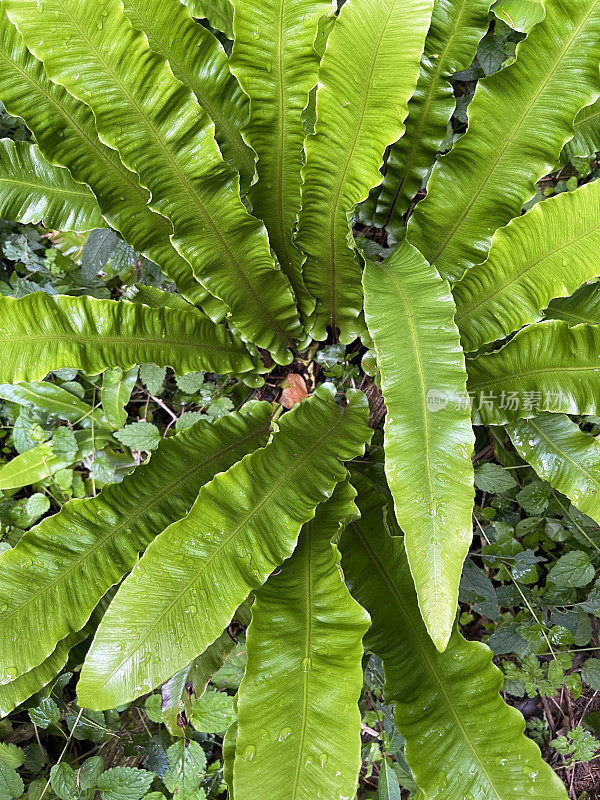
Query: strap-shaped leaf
(546, 367)
(40, 333)
(583, 306)
(563, 455)
(586, 141)
(177, 692)
(162, 133)
(298, 717)
(547, 253)
(33, 190)
(200, 63)
(54, 400)
(456, 28)
(276, 63)
(519, 121)
(245, 522)
(428, 434)
(52, 580)
(219, 14)
(66, 134)
(462, 740)
(41, 462)
(365, 82)
(22, 688)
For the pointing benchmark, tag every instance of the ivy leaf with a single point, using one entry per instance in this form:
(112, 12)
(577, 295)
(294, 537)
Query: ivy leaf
(213, 712)
(187, 765)
(124, 783)
(11, 785)
(139, 436)
(494, 479)
(153, 377)
(574, 569)
(63, 781)
(46, 714)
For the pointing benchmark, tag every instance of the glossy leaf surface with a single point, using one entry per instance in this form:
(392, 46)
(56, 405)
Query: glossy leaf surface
(245, 522)
(298, 717)
(428, 434)
(54, 400)
(583, 306)
(456, 28)
(40, 333)
(519, 121)
(546, 367)
(162, 133)
(52, 580)
(200, 63)
(563, 455)
(33, 190)
(365, 82)
(66, 134)
(549, 252)
(462, 740)
(276, 63)
(586, 141)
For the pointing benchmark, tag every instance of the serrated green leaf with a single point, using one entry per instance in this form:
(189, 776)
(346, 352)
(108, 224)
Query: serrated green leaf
(453, 751)
(11, 784)
(492, 170)
(574, 569)
(63, 781)
(11, 755)
(46, 714)
(34, 190)
(89, 772)
(494, 479)
(533, 498)
(525, 268)
(139, 436)
(590, 672)
(456, 28)
(64, 444)
(199, 61)
(187, 765)
(213, 712)
(124, 783)
(299, 722)
(190, 581)
(52, 580)
(41, 333)
(428, 444)
(389, 788)
(174, 153)
(365, 82)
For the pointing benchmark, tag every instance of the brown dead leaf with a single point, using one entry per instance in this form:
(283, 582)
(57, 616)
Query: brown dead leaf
(295, 392)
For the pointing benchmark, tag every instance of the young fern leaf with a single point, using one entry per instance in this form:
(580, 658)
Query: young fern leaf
(66, 134)
(549, 252)
(40, 333)
(33, 190)
(583, 306)
(245, 522)
(451, 44)
(200, 63)
(462, 740)
(52, 580)
(428, 434)
(276, 63)
(161, 132)
(365, 81)
(564, 456)
(547, 367)
(304, 673)
(519, 121)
